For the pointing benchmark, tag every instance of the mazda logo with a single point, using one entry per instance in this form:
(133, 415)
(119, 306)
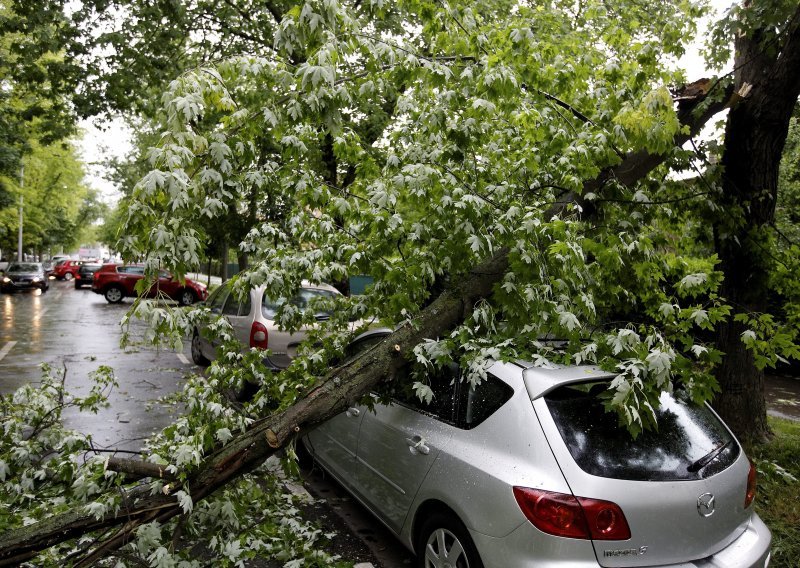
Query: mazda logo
(705, 505)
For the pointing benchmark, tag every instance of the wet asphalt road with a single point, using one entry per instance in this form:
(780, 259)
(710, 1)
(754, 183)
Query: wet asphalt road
(78, 330)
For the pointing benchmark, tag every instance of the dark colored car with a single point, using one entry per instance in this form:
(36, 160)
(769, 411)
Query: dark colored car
(85, 274)
(67, 270)
(118, 281)
(25, 276)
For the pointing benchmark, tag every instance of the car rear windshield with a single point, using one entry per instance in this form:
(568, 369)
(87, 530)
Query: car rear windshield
(690, 443)
(304, 297)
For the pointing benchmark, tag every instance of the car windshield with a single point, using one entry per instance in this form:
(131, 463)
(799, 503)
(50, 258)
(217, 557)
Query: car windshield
(690, 443)
(25, 267)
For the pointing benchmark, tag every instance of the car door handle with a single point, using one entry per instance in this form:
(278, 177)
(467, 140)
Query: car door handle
(353, 412)
(417, 445)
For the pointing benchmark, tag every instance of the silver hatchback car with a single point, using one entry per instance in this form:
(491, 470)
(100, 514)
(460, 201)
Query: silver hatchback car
(527, 469)
(253, 322)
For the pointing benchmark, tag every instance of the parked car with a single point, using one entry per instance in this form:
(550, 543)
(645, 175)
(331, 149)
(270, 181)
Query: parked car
(48, 266)
(85, 274)
(528, 469)
(66, 270)
(253, 321)
(25, 276)
(118, 281)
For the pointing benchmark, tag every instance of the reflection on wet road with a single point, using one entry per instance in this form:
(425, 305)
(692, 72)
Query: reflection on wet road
(79, 331)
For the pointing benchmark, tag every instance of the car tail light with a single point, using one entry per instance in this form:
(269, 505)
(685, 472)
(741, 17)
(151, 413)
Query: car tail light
(750, 494)
(258, 335)
(565, 515)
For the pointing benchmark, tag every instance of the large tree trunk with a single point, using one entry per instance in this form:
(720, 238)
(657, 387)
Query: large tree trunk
(755, 135)
(336, 391)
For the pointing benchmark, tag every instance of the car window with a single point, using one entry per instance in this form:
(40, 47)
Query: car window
(217, 298)
(302, 299)
(245, 305)
(442, 383)
(231, 307)
(131, 269)
(687, 435)
(479, 402)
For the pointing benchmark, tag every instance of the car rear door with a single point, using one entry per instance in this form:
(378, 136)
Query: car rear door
(682, 488)
(128, 277)
(237, 312)
(399, 442)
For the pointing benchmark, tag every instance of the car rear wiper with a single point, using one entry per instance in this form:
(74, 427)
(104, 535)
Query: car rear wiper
(696, 466)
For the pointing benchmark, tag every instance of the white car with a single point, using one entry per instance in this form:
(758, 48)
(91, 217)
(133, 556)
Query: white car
(253, 322)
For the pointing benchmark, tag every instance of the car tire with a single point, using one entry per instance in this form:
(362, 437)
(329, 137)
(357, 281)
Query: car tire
(77, 284)
(114, 294)
(445, 541)
(69, 276)
(197, 352)
(186, 297)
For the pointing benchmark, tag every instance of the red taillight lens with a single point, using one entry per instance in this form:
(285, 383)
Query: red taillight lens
(258, 335)
(572, 517)
(750, 494)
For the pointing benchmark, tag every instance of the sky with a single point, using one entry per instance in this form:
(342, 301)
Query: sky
(113, 138)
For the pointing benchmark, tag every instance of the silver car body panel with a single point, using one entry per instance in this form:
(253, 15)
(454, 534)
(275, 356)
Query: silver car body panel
(472, 472)
(282, 344)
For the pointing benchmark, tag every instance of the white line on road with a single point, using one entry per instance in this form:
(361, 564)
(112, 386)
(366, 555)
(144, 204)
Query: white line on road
(183, 358)
(6, 348)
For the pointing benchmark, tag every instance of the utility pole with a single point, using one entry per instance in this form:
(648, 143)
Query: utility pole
(21, 186)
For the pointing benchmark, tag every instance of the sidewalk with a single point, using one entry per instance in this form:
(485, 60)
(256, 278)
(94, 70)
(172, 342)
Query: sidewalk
(209, 281)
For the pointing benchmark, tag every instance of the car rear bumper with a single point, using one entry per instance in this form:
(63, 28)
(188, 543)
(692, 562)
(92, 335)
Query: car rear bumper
(524, 548)
(750, 550)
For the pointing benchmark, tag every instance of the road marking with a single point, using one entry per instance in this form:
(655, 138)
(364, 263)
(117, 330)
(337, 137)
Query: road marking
(6, 348)
(183, 358)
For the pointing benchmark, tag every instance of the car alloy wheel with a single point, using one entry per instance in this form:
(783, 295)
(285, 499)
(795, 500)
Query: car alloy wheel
(186, 298)
(197, 352)
(114, 294)
(69, 276)
(446, 544)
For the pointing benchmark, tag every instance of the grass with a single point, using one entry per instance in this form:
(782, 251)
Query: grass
(778, 497)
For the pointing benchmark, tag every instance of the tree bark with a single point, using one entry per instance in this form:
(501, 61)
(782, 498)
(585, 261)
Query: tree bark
(340, 388)
(755, 135)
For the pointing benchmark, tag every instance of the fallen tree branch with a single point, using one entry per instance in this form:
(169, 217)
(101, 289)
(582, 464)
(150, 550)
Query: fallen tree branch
(339, 389)
(138, 469)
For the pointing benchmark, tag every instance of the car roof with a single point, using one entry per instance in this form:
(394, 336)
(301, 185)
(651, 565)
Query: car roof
(540, 380)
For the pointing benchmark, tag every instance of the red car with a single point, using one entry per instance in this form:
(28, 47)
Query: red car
(67, 270)
(117, 281)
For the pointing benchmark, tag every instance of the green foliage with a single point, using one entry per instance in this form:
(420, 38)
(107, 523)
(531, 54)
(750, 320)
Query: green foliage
(46, 469)
(40, 461)
(474, 149)
(778, 485)
(58, 207)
